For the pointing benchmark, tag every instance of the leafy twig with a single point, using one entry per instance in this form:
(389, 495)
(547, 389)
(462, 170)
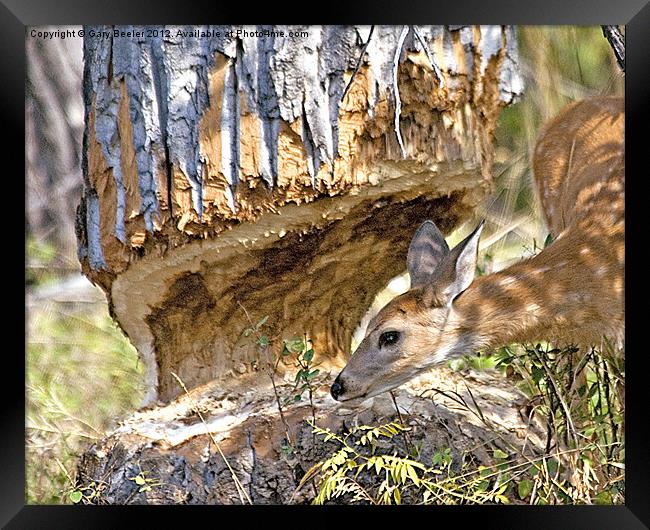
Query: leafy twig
(270, 370)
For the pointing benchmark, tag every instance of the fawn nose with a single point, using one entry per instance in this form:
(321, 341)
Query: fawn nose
(337, 388)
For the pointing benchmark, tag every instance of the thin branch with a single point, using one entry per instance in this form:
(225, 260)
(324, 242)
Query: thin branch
(570, 426)
(270, 370)
(436, 70)
(356, 68)
(240, 488)
(617, 42)
(398, 101)
(407, 438)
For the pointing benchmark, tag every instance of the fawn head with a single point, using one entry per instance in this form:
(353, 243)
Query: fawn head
(416, 330)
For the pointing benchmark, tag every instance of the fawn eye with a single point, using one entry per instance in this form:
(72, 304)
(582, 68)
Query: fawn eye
(388, 337)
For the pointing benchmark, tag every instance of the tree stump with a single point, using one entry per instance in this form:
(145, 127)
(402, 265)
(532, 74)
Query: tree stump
(171, 455)
(232, 170)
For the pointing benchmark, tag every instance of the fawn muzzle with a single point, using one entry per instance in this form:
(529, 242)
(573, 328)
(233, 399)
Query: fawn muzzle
(337, 388)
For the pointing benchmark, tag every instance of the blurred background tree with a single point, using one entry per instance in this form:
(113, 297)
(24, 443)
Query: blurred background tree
(54, 126)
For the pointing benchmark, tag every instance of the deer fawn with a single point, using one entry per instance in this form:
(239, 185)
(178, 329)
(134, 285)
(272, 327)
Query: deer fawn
(571, 292)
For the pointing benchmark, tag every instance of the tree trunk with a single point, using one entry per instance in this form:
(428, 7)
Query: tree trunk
(228, 171)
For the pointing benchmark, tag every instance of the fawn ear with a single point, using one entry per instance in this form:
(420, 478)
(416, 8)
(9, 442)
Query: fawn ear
(457, 270)
(428, 249)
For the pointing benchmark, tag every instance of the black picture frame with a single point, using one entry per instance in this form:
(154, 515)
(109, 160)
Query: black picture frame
(16, 15)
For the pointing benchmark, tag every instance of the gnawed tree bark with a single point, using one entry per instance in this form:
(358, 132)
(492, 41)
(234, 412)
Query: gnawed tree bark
(223, 171)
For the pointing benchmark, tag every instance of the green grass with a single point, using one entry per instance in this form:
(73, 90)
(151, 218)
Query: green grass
(82, 375)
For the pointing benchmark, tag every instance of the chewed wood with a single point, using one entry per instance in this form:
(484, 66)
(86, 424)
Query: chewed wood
(225, 167)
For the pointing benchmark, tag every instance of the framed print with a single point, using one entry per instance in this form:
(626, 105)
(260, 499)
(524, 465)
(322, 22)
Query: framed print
(327, 264)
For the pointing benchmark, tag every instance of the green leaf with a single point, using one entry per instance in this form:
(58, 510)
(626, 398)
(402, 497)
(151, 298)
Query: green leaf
(457, 364)
(502, 499)
(75, 496)
(383, 431)
(524, 488)
(313, 373)
(413, 475)
(534, 470)
(538, 374)
(309, 355)
(295, 345)
(589, 431)
(604, 497)
(297, 398)
(394, 473)
(139, 480)
(484, 471)
(263, 341)
(499, 454)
